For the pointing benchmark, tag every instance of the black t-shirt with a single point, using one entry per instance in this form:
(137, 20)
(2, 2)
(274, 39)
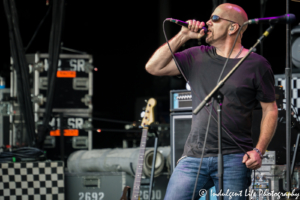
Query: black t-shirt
(251, 83)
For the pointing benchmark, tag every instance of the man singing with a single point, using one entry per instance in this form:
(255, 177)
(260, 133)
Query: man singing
(250, 84)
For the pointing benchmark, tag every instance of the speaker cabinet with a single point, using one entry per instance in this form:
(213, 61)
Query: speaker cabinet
(180, 128)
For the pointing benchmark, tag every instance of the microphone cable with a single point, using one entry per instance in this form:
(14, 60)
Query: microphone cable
(210, 111)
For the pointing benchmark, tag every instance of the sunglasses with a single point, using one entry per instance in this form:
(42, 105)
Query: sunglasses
(215, 18)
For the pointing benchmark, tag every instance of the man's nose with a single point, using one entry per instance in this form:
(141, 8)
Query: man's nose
(208, 22)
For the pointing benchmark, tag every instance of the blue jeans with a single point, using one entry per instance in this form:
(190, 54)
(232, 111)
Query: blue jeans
(236, 177)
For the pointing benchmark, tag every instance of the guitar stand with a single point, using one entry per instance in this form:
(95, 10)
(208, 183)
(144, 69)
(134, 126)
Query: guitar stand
(295, 155)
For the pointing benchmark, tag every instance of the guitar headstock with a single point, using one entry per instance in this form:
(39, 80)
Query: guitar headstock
(149, 113)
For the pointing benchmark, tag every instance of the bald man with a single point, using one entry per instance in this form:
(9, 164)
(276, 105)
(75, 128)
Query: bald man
(252, 83)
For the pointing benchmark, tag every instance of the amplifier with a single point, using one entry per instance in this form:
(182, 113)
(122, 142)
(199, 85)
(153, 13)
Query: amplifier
(73, 86)
(180, 128)
(180, 100)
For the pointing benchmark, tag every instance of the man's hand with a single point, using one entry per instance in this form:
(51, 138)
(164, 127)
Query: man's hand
(254, 162)
(193, 28)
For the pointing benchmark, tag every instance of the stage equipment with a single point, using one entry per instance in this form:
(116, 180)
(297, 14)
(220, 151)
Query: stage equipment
(5, 112)
(76, 137)
(112, 160)
(18, 136)
(180, 100)
(185, 24)
(180, 128)
(20, 66)
(277, 143)
(288, 75)
(148, 119)
(269, 158)
(295, 41)
(74, 83)
(73, 97)
(271, 179)
(109, 185)
(284, 19)
(280, 80)
(32, 180)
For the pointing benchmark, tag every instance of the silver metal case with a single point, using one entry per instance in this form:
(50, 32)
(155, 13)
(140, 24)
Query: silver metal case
(83, 141)
(5, 113)
(74, 83)
(109, 186)
(272, 179)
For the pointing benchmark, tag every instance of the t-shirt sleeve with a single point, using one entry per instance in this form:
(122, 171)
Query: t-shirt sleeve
(266, 90)
(185, 61)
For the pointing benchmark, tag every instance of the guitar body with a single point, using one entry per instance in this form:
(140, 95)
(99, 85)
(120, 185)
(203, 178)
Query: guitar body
(126, 193)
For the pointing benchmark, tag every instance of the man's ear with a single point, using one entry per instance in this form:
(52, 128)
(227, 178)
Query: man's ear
(233, 28)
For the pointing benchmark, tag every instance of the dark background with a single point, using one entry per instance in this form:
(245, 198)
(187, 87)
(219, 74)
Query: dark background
(121, 36)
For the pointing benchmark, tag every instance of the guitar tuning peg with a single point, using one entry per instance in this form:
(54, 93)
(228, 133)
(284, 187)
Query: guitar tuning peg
(146, 100)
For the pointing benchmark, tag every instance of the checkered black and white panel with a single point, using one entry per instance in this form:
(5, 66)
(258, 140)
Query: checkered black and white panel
(295, 93)
(32, 181)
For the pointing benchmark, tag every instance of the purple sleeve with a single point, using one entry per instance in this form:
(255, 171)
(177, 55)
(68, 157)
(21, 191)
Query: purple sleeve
(185, 61)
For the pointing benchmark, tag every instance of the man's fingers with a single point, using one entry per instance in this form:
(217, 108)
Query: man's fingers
(202, 24)
(245, 158)
(193, 25)
(190, 24)
(197, 27)
(252, 164)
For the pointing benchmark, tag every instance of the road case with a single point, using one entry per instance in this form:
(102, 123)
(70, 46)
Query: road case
(110, 185)
(74, 83)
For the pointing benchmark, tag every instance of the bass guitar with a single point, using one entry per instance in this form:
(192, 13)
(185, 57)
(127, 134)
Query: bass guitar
(147, 120)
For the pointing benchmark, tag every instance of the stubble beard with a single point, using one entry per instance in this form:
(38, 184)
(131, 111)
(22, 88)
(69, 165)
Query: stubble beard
(212, 40)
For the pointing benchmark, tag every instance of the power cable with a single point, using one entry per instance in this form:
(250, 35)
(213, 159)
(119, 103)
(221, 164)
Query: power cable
(22, 154)
(38, 28)
(21, 67)
(54, 50)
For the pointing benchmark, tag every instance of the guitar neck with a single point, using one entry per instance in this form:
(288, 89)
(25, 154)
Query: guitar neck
(139, 168)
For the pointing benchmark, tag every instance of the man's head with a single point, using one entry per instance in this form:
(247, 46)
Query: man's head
(224, 22)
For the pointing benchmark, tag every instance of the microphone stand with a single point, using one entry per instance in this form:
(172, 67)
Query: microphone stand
(153, 165)
(288, 74)
(216, 93)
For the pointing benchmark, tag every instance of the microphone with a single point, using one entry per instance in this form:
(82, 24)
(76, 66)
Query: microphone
(185, 24)
(284, 19)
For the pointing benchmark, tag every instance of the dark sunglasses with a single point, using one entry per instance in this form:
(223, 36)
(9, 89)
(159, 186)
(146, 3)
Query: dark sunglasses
(216, 18)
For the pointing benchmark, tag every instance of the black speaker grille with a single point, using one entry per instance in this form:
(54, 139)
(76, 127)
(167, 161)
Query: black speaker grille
(180, 129)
